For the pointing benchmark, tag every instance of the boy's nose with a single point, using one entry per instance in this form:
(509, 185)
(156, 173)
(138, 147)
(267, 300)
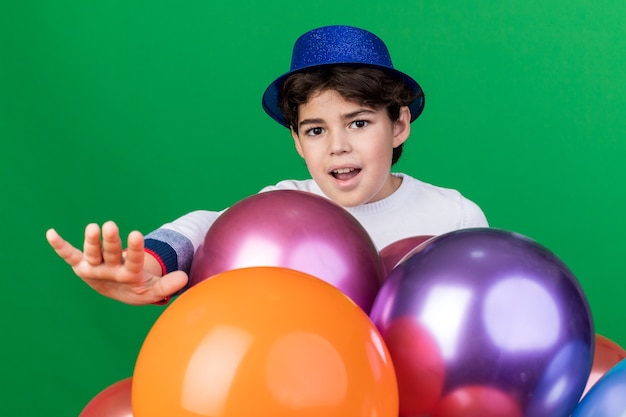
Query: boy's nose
(339, 143)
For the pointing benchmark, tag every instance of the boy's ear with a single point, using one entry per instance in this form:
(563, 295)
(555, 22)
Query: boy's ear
(296, 141)
(402, 127)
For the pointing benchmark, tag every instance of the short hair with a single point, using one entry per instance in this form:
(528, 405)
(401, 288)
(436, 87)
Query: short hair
(366, 86)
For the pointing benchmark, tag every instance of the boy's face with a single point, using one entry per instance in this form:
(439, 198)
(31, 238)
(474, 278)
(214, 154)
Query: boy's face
(348, 147)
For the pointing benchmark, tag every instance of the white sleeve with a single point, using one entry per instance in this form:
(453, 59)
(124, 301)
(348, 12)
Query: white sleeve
(174, 244)
(472, 215)
(194, 225)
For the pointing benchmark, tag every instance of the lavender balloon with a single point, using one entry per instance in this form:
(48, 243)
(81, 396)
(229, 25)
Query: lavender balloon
(505, 312)
(297, 230)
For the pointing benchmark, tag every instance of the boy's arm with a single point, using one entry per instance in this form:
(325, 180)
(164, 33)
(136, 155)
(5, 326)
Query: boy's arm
(132, 276)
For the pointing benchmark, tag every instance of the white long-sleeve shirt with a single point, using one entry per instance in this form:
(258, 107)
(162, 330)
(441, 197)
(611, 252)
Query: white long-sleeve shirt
(416, 208)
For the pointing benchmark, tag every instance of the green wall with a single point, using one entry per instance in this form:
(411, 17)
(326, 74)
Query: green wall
(140, 111)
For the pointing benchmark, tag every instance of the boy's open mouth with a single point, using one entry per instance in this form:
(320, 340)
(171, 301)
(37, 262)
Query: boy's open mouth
(345, 173)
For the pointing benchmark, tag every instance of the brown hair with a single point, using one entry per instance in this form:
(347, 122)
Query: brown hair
(366, 86)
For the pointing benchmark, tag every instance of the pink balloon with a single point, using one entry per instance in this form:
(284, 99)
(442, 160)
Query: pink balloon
(297, 230)
(392, 254)
(419, 363)
(477, 401)
(113, 401)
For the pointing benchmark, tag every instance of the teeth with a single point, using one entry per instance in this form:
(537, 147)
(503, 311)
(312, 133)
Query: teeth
(343, 170)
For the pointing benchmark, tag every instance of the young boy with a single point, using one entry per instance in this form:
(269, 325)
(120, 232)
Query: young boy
(349, 112)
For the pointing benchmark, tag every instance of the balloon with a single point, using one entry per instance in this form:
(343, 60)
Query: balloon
(297, 230)
(264, 341)
(392, 254)
(113, 401)
(606, 355)
(505, 313)
(477, 401)
(419, 365)
(607, 398)
(563, 373)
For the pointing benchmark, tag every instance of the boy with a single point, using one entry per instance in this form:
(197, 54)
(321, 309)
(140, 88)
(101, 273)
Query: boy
(349, 112)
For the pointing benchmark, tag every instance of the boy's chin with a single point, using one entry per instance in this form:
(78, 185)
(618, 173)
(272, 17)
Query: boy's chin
(348, 199)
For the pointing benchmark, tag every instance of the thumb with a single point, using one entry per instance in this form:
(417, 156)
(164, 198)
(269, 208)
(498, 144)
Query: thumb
(169, 284)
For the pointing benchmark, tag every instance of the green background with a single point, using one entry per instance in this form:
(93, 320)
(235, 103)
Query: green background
(141, 111)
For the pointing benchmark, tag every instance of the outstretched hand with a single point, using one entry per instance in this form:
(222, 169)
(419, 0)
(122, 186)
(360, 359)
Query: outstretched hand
(131, 276)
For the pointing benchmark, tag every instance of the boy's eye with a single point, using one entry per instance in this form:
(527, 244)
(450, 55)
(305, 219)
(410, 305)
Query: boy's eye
(359, 124)
(314, 131)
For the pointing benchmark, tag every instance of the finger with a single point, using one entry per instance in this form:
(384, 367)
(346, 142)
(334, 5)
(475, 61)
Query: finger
(69, 253)
(92, 248)
(111, 244)
(135, 253)
(169, 284)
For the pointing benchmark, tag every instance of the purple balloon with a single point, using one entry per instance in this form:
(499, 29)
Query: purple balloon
(297, 230)
(505, 312)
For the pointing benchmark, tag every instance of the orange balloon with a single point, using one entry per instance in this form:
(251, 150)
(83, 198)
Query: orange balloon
(607, 354)
(264, 341)
(477, 401)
